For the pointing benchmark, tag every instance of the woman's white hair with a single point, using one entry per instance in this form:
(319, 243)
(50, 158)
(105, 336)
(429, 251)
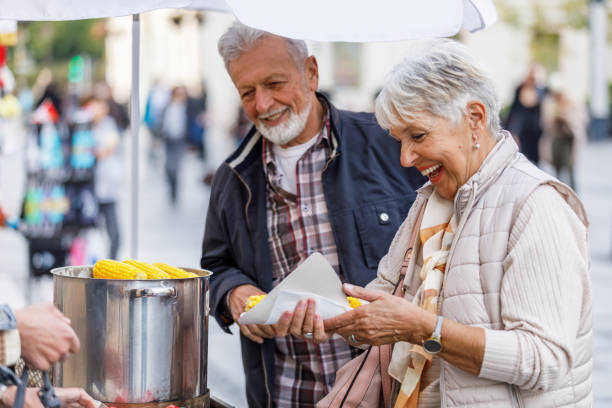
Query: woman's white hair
(240, 38)
(438, 77)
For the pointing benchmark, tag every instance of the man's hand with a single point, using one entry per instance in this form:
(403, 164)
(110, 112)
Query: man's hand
(302, 320)
(46, 335)
(69, 397)
(237, 301)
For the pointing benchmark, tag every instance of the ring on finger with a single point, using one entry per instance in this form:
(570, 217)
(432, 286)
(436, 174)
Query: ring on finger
(353, 339)
(307, 335)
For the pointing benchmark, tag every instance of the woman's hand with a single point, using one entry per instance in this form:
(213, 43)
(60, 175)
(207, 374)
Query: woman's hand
(386, 319)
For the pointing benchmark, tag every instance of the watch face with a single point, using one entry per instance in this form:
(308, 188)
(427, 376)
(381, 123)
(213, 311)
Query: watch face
(432, 346)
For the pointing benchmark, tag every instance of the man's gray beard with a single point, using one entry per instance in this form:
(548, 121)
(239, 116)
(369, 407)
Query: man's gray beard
(288, 130)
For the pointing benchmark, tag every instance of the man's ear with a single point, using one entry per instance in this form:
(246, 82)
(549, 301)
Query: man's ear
(476, 115)
(311, 72)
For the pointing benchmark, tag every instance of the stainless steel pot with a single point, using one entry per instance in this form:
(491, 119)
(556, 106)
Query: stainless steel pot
(141, 340)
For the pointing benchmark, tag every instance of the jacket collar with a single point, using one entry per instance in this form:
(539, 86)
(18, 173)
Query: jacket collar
(251, 147)
(503, 153)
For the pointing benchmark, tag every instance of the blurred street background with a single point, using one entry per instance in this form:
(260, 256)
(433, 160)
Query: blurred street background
(551, 61)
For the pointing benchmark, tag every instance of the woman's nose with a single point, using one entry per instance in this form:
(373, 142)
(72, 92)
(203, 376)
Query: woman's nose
(407, 155)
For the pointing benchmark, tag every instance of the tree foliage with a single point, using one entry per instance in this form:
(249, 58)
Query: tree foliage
(59, 41)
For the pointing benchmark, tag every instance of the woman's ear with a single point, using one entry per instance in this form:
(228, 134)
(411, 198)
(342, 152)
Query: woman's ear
(476, 115)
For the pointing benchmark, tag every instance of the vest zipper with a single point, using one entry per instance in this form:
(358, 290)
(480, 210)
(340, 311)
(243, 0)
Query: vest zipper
(516, 399)
(462, 222)
(265, 371)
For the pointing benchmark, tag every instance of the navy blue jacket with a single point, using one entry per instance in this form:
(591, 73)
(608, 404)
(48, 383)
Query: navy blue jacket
(368, 194)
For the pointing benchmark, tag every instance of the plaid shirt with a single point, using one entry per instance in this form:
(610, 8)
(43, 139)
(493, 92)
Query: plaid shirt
(298, 225)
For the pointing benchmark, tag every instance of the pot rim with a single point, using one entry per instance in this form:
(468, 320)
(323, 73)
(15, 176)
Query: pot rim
(63, 270)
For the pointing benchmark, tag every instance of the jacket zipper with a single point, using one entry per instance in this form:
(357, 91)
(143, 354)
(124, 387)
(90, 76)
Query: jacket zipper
(329, 161)
(462, 222)
(246, 206)
(265, 371)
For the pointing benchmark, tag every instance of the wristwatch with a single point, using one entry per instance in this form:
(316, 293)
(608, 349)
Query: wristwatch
(433, 345)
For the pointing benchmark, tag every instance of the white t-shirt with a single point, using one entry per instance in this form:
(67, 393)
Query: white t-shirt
(286, 161)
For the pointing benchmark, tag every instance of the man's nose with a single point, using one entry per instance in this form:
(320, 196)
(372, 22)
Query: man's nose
(407, 155)
(263, 101)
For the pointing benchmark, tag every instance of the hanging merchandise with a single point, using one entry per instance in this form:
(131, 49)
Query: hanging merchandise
(51, 156)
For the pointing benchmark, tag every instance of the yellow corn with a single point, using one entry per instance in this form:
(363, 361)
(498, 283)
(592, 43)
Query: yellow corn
(252, 301)
(110, 269)
(173, 271)
(353, 301)
(151, 271)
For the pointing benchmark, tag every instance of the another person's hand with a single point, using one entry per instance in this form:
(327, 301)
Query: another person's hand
(46, 335)
(386, 319)
(69, 397)
(75, 398)
(31, 398)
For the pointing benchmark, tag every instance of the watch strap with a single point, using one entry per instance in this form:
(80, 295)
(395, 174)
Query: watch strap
(438, 330)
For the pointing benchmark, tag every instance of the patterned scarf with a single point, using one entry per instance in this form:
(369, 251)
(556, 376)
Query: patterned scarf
(437, 231)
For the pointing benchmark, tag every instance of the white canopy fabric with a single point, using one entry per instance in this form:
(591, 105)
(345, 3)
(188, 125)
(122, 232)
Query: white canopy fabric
(364, 21)
(320, 20)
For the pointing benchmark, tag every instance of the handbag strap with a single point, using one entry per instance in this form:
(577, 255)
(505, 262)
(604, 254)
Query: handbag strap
(399, 288)
(386, 350)
(380, 356)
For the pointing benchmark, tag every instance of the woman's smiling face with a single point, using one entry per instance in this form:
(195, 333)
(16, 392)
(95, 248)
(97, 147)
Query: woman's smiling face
(441, 150)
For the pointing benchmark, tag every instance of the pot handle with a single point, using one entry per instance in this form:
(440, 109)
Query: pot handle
(152, 292)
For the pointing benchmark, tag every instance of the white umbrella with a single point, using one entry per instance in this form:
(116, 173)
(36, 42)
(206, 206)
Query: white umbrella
(321, 20)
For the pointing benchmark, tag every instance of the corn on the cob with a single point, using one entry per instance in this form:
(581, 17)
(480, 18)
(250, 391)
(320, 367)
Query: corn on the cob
(151, 271)
(252, 301)
(173, 271)
(353, 301)
(110, 269)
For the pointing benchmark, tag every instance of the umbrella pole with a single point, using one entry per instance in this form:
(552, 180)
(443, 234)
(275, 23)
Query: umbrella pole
(134, 127)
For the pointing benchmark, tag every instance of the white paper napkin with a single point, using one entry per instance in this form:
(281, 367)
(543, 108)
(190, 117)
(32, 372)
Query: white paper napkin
(314, 278)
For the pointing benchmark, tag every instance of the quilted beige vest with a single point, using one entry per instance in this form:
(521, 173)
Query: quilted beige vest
(487, 206)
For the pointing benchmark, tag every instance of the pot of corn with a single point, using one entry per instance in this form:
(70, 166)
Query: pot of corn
(143, 330)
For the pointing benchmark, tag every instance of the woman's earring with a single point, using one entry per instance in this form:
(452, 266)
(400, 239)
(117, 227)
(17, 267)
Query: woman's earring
(477, 146)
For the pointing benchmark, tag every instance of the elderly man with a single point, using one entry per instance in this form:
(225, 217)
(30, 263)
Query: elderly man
(307, 178)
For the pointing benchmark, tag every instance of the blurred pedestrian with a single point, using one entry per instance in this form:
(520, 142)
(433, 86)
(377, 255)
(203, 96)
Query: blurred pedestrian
(117, 111)
(174, 129)
(158, 98)
(196, 118)
(523, 120)
(107, 175)
(564, 130)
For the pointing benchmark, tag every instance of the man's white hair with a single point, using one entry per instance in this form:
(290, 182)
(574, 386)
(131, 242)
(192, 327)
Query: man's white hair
(240, 38)
(438, 77)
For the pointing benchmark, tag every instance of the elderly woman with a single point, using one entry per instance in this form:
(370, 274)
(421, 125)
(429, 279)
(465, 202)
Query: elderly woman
(497, 300)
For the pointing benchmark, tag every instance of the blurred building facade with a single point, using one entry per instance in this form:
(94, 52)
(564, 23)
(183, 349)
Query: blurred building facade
(179, 46)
